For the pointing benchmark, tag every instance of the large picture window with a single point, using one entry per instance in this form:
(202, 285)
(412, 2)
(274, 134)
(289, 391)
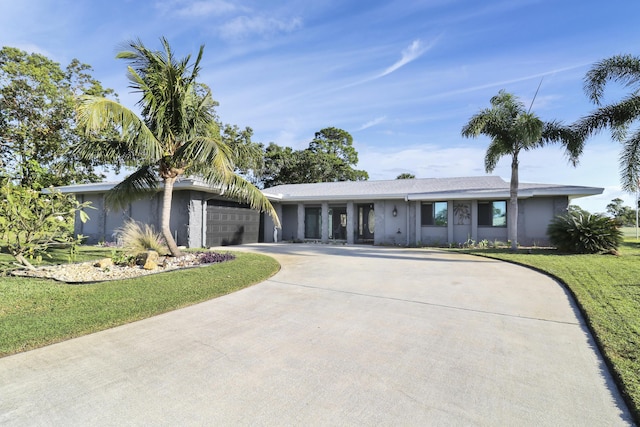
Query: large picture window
(434, 213)
(492, 214)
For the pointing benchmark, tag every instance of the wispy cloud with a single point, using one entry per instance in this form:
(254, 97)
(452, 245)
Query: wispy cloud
(199, 8)
(505, 82)
(415, 50)
(372, 123)
(244, 26)
(411, 53)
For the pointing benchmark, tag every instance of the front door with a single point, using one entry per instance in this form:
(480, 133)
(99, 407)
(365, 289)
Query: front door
(366, 223)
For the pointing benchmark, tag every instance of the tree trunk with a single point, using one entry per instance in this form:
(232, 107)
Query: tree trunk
(513, 204)
(166, 216)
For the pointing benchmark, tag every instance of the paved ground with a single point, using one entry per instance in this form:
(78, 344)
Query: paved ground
(340, 336)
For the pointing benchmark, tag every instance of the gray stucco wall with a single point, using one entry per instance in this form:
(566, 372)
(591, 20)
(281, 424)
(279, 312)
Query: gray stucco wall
(535, 214)
(105, 220)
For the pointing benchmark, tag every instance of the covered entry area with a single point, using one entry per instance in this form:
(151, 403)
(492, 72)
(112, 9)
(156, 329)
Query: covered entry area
(231, 223)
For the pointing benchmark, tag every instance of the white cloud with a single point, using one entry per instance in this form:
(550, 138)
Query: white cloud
(244, 26)
(199, 8)
(413, 52)
(372, 123)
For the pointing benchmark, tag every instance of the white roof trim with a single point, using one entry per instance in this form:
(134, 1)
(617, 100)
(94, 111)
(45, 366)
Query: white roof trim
(102, 187)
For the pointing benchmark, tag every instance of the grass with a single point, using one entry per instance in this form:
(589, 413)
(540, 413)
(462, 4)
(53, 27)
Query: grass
(607, 290)
(38, 312)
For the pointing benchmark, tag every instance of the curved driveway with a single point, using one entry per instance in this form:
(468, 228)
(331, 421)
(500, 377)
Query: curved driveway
(342, 335)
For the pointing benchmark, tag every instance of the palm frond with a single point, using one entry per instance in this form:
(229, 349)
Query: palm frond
(204, 153)
(573, 142)
(630, 162)
(611, 116)
(237, 188)
(495, 151)
(95, 114)
(143, 182)
(624, 69)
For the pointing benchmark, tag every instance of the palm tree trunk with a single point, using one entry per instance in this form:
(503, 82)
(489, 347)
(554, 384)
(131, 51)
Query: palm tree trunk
(513, 204)
(166, 216)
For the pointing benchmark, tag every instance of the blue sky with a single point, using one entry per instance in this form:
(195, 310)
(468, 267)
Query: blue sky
(402, 77)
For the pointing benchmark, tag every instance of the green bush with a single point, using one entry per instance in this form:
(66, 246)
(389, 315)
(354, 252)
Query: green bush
(137, 238)
(32, 222)
(584, 233)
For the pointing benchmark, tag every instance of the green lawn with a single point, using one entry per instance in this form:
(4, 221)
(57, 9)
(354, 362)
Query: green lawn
(38, 312)
(607, 289)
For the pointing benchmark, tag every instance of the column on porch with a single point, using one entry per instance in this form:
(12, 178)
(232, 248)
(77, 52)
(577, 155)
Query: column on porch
(418, 209)
(300, 233)
(474, 220)
(450, 221)
(324, 233)
(351, 222)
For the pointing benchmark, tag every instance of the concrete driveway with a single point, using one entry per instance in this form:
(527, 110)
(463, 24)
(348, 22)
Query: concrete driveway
(342, 335)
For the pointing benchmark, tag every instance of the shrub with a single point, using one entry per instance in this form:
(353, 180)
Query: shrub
(137, 238)
(584, 233)
(32, 222)
(214, 257)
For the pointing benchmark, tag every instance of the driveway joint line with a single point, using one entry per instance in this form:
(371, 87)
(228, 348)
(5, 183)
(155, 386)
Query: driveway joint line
(562, 322)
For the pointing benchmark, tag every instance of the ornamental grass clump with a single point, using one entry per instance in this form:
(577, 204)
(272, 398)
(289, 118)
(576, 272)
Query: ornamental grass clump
(584, 233)
(137, 238)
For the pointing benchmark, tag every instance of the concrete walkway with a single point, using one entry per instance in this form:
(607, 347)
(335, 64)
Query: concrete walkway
(347, 335)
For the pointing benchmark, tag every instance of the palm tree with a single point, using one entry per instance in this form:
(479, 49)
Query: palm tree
(624, 69)
(177, 135)
(513, 129)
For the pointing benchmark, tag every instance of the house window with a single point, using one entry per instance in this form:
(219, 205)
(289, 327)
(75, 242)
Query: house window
(492, 214)
(312, 223)
(434, 213)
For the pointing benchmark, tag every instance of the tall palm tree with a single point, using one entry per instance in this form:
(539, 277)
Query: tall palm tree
(513, 129)
(618, 116)
(176, 136)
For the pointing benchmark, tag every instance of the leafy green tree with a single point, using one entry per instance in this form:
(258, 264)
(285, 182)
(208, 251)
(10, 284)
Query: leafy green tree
(248, 156)
(31, 222)
(330, 157)
(618, 116)
(513, 129)
(37, 129)
(333, 157)
(178, 134)
(282, 165)
(622, 215)
(406, 175)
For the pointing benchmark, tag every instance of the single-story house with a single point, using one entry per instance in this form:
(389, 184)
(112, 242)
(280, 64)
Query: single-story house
(432, 211)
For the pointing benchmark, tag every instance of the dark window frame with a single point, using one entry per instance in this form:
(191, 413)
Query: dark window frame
(487, 214)
(429, 214)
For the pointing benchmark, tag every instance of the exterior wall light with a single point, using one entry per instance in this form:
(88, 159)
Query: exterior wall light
(394, 212)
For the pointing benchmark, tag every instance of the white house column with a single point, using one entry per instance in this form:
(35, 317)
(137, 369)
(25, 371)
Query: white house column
(450, 221)
(418, 207)
(300, 221)
(203, 236)
(474, 220)
(351, 222)
(324, 223)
